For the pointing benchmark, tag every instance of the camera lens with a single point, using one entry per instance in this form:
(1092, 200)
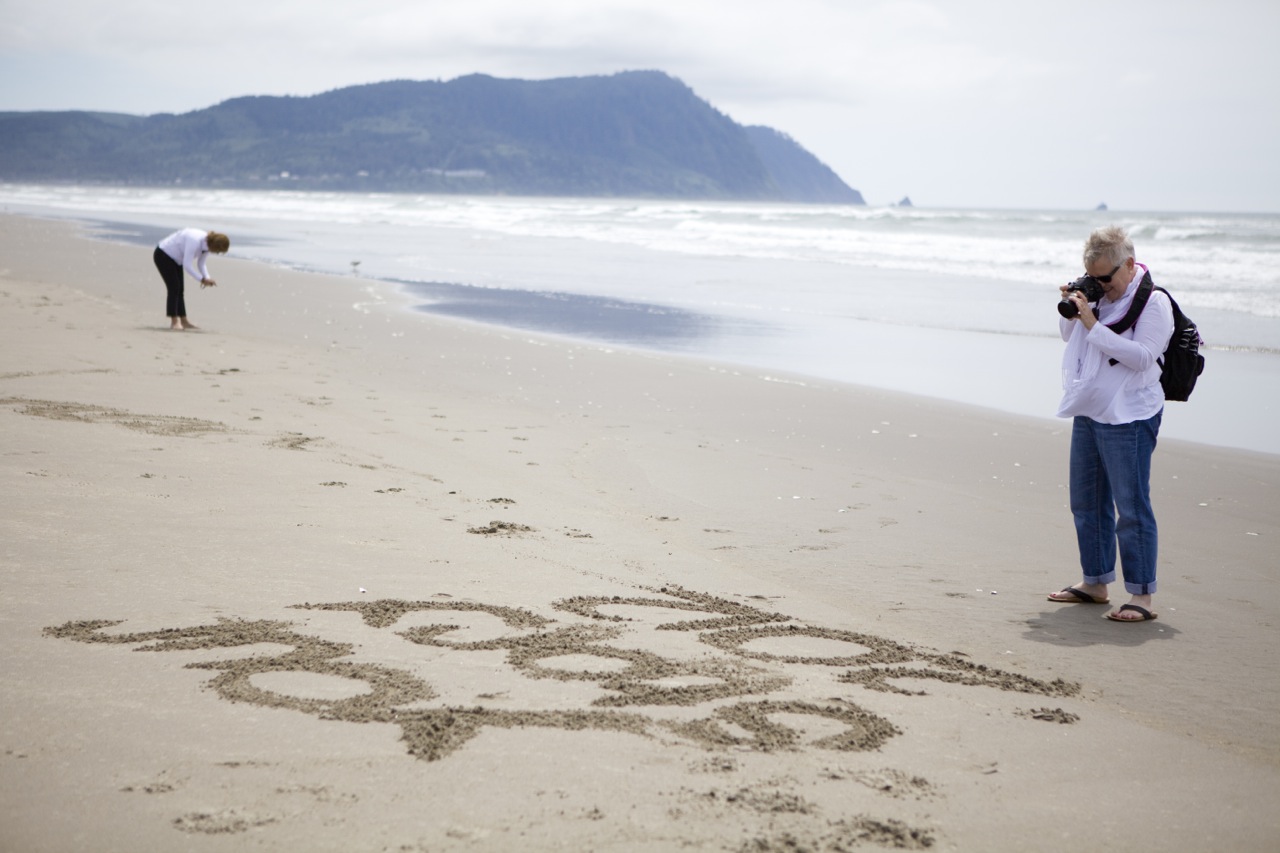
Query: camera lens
(1068, 309)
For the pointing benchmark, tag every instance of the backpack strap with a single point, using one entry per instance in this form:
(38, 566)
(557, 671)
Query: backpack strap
(1135, 308)
(1130, 317)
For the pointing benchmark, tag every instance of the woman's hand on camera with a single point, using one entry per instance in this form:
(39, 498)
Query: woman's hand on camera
(1086, 314)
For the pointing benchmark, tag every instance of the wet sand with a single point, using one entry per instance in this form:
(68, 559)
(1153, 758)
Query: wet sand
(329, 574)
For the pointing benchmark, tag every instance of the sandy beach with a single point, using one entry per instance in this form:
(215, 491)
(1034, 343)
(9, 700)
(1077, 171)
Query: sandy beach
(330, 575)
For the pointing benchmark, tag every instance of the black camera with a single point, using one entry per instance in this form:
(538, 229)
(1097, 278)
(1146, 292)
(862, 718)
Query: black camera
(1086, 284)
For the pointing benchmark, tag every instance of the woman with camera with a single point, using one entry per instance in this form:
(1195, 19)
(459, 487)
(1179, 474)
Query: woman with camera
(1112, 391)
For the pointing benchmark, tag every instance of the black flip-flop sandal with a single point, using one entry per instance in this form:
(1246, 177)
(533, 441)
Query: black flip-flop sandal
(1144, 612)
(1081, 596)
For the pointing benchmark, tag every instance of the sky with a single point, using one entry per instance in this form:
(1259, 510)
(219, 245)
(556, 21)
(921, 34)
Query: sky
(1153, 105)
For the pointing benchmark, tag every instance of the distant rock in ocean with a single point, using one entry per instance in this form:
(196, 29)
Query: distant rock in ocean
(641, 134)
(906, 202)
(1102, 205)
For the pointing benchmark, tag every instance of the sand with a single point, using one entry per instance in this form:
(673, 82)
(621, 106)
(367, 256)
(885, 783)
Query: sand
(331, 575)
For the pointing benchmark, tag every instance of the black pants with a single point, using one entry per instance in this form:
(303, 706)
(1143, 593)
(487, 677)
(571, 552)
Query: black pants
(171, 272)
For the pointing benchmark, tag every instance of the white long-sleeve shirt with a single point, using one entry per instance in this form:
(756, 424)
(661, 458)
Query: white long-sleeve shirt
(190, 248)
(1129, 390)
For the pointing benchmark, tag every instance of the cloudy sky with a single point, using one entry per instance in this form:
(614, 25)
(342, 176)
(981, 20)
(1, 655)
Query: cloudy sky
(1150, 105)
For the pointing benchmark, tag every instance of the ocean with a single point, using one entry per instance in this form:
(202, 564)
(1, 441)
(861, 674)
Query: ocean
(953, 304)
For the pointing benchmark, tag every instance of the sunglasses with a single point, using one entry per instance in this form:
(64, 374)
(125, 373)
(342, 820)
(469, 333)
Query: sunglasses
(1106, 279)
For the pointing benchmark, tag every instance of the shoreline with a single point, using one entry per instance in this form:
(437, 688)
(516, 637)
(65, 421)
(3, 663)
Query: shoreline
(363, 474)
(1236, 405)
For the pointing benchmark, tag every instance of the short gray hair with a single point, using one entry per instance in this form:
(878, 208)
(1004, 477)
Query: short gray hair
(1112, 243)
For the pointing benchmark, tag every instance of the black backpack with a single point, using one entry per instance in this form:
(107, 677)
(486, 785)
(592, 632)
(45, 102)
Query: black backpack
(1182, 363)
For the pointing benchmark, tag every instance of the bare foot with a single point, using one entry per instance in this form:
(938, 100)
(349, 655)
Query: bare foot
(1082, 593)
(188, 325)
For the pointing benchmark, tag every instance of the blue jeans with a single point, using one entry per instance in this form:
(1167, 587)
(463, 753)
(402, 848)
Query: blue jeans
(1111, 500)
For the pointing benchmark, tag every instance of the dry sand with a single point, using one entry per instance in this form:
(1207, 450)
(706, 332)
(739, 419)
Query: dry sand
(329, 575)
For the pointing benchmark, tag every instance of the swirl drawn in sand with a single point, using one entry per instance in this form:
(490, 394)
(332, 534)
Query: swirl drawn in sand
(167, 425)
(640, 679)
(87, 413)
(741, 698)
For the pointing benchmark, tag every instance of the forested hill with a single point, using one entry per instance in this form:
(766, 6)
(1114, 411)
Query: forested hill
(637, 133)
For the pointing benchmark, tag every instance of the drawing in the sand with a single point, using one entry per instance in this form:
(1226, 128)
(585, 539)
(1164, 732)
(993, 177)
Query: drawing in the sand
(641, 682)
